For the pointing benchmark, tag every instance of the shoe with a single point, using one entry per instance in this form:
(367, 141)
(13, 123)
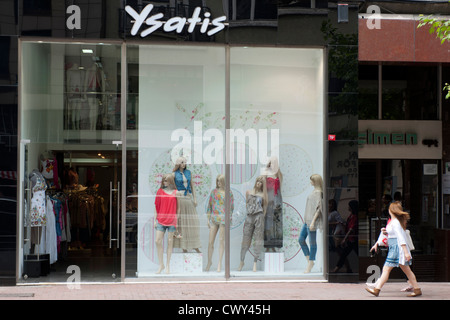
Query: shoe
(417, 292)
(407, 289)
(373, 291)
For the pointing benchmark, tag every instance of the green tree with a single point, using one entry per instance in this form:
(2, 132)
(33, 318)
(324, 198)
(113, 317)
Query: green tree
(441, 28)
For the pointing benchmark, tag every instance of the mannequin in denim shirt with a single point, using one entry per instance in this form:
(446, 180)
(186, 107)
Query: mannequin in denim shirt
(188, 221)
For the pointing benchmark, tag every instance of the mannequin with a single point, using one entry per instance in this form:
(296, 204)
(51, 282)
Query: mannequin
(165, 218)
(94, 82)
(188, 221)
(216, 219)
(74, 86)
(38, 214)
(73, 178)
(256, 200)
(49, 168)
(313, 221)
(273, 223)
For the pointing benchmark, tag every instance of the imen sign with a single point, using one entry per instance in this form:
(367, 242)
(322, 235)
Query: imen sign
(397, 138)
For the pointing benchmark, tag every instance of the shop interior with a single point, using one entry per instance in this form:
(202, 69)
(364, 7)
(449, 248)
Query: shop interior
(416, 184)
(71, 162)
(84, 232)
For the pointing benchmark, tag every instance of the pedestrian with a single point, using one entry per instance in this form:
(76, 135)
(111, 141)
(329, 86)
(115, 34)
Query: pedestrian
(336, 224)
(349, 242)
(398, 252)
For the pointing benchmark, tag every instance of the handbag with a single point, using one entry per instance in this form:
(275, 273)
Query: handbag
(382, 239)
(409, 241)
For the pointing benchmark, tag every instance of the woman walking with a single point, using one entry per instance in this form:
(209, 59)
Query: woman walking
(398, 254)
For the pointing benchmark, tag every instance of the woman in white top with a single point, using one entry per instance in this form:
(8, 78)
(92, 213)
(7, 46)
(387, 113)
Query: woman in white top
(398, 254)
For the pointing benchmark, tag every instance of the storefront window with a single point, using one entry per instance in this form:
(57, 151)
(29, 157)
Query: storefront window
(276, 114)
(277, 94)
(181, 187)
(181, 119)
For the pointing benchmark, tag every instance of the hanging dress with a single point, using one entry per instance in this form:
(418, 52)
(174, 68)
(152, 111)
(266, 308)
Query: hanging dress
(273, 225)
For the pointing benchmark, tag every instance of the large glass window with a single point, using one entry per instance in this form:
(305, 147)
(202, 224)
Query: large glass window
(193, 207)
(277, 96)
(408, 92)
(276, 115)
(181, 102)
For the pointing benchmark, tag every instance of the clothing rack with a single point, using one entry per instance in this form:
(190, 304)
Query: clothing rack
(87, 213)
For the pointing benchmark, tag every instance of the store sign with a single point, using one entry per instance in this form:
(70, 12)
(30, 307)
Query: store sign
(177, 24)
(369, 137)
(399, 139)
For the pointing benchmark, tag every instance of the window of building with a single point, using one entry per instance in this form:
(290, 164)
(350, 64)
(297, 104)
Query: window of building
(408, 92)
(368, 91)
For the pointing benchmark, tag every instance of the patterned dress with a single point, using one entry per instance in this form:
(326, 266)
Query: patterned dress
(273, 224)
(38, 216)
(216, 206)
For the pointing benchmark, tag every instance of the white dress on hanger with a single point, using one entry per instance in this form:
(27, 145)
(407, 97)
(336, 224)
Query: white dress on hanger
(48, 239)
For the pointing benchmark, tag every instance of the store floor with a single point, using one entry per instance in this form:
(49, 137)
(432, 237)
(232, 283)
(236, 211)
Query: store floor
(96, 263)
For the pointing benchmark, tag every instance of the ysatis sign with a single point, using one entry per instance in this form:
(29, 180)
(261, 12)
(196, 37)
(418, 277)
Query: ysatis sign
(175, 24)
(147, 23)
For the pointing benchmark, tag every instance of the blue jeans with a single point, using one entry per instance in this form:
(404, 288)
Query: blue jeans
(304, 233)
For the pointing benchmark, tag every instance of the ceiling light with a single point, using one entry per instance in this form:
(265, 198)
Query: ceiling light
(87, 50)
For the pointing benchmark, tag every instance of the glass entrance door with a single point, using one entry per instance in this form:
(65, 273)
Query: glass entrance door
(414, 183)
(71, 162)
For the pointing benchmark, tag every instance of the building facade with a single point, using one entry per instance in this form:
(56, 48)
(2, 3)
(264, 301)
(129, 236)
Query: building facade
(257, 101)
(402, 72)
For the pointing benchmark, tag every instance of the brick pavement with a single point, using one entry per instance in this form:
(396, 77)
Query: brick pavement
(231, 290)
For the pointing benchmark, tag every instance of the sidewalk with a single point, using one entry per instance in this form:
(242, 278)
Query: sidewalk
(231, 291)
